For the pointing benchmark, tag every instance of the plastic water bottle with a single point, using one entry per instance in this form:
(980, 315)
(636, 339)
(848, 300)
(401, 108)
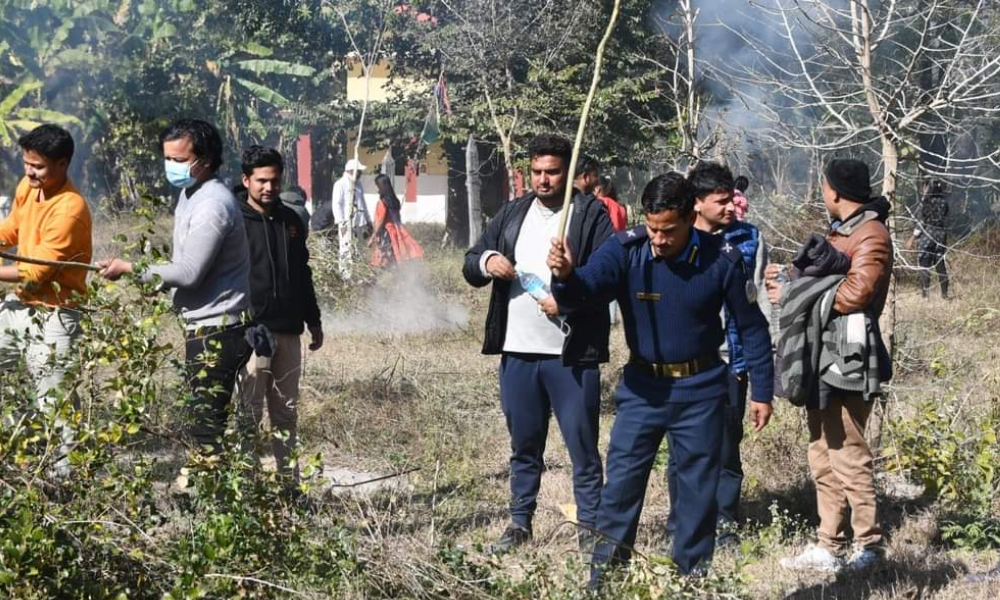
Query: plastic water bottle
(537, 289)
(533, 284)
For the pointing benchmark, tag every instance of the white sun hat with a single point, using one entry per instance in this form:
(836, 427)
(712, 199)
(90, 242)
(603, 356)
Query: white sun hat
(354, 165)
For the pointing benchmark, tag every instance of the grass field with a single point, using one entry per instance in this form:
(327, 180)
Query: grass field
(401, 394)
(384, 402)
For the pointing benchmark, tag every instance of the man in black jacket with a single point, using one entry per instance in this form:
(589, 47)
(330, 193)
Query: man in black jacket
(282, 299)
(549, 355)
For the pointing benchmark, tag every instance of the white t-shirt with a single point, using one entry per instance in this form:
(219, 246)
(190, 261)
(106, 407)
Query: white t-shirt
(529, 330)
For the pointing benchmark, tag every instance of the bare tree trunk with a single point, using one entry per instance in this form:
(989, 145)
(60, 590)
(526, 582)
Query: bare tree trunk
(890, 166)
(472, 182)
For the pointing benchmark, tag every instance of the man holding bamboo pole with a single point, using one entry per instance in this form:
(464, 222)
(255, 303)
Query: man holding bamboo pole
(50, 223)
(671, 283)
(549, 356)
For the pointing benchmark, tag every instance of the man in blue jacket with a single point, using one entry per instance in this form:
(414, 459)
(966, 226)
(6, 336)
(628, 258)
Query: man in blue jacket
(549, 354)
(671, 283)
(715, 214)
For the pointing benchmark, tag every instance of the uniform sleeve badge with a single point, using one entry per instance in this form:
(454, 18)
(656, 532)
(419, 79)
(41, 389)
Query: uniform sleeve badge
(632, 235)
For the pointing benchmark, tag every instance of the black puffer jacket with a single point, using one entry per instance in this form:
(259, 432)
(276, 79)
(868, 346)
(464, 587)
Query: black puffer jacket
(587, 342)
(282, 296)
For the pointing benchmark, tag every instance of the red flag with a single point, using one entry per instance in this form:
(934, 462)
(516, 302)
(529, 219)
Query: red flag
(441, 92)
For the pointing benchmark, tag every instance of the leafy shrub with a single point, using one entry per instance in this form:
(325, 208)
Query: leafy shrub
(956, 466)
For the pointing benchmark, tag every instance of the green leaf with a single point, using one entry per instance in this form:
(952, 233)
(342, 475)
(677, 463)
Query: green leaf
(76, 57)
(257, 49)
(164, 31)
(264, 93)
(48, 116)
(276, 67)
(22, 124)
(13, 98)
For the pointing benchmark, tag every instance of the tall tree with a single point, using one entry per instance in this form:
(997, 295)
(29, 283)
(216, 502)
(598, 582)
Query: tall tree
(518, 68)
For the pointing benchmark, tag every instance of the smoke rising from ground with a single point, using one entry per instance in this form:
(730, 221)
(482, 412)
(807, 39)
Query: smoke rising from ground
(399, 303)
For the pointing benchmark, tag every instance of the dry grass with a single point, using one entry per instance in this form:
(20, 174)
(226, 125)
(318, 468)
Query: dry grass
(378, 402)
(431, 401)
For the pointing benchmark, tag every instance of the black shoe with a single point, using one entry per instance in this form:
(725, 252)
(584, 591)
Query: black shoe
(700, 570)
(514, 536)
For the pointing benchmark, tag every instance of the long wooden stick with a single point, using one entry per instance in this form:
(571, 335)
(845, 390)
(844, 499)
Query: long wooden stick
(49, 263)
(568, 199)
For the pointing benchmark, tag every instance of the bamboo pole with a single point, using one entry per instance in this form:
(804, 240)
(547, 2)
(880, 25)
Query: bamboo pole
(568, 199)
(49, 263)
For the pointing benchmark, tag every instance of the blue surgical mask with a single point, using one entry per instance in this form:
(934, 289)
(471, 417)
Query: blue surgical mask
(179, 174)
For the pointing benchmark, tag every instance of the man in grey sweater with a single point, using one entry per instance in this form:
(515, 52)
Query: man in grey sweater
(208, 273)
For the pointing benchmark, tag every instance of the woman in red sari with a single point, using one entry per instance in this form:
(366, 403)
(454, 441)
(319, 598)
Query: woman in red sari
(391, 242)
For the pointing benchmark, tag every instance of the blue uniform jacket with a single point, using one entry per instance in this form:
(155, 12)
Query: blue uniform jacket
(670, 308)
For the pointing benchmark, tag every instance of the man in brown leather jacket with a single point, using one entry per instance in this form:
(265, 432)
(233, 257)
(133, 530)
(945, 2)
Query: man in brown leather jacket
(839, 456)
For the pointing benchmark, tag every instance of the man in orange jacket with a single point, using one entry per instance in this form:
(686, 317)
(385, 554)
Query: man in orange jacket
(50, 220)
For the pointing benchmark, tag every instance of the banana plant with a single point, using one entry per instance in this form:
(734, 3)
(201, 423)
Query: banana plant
(244, 86)
(34, 45)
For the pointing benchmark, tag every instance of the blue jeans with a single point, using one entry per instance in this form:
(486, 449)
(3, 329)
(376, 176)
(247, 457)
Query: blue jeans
(531, 388)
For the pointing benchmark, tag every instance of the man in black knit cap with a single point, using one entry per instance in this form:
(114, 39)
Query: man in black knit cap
(839, 456)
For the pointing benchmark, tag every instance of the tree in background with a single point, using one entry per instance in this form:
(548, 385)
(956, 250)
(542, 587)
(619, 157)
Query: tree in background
(517, 68)
(116, 71)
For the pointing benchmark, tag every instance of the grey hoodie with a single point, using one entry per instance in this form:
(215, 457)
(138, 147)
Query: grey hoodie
(209, 268)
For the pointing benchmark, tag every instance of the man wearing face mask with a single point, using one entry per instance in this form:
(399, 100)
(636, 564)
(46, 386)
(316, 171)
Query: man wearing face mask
(549, 355)
(209, 274)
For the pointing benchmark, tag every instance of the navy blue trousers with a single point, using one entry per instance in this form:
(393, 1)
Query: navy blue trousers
(727, 496)
(532, 387)
(694, 432)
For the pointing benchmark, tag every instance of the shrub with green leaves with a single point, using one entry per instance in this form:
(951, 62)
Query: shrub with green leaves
(956, 465)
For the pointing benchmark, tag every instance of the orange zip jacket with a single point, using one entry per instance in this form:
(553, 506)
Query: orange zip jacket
(57, 228)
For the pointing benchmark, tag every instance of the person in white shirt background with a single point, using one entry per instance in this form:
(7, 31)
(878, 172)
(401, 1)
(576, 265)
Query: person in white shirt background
(350, 216)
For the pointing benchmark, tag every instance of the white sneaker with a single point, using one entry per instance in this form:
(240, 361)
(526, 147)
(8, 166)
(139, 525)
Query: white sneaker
(814, 558)
(862, 558)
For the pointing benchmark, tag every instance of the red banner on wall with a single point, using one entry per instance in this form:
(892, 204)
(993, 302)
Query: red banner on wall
(303, 162)
(412, 172)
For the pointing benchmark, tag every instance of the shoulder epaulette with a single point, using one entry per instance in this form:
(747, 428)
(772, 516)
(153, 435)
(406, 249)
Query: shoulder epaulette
(630, 236)
(730, 251)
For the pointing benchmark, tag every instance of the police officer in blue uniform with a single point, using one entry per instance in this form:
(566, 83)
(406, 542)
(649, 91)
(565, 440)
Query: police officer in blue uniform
(671, 283)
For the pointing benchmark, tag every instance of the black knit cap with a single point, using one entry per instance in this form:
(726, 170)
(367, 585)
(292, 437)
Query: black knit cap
(849, 178)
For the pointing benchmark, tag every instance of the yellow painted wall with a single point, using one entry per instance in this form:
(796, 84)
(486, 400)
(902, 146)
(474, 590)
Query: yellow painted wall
(434, 162)
(379, 90)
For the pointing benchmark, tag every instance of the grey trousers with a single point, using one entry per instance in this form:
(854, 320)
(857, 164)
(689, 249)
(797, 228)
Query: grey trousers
(44, 336)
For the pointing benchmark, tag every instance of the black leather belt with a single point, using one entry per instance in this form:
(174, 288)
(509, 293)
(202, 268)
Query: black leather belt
(675, 370)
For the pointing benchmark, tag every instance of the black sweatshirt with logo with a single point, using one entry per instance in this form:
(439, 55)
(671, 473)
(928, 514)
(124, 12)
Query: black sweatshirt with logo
(282, 296)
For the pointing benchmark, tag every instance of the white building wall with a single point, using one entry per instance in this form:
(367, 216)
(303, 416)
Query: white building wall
(432, 195)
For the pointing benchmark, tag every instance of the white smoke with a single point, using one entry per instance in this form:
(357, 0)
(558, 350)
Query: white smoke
(399, 303)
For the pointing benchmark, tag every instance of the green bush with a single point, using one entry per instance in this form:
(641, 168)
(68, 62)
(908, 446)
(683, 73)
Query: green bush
(956, 466)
